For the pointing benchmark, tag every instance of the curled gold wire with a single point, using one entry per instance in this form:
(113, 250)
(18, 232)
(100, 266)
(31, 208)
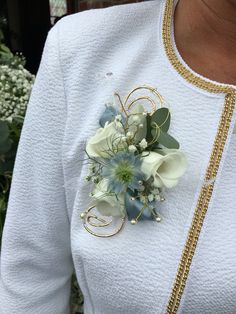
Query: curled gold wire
(153, 104)
(122, 105)
(126, 107)
(147, 87)
(102, 222)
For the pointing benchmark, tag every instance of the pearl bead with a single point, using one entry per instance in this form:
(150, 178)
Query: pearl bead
(158, 219)
(82, 215)
(162, 199)
(133, 222)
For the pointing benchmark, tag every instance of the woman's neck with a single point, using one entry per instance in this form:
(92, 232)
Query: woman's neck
(205, 34)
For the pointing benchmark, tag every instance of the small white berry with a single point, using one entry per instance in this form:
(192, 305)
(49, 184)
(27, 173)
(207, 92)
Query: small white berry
(118, 117)
(132, 148)
(150, 197)
(143, 144)
(162, 199)
(82, 215)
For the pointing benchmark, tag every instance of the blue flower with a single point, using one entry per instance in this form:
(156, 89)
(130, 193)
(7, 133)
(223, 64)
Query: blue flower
(123, 171)
(134, 206)
(108, 115)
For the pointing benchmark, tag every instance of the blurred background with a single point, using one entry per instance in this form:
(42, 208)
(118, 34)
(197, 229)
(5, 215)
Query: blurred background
(25, 23)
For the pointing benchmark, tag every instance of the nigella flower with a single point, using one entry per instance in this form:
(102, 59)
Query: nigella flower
(123, 171)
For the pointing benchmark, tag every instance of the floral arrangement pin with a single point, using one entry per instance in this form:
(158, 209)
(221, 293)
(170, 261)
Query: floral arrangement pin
(133, 160)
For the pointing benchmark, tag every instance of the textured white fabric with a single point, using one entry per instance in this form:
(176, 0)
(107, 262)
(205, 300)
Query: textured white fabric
(132, 272)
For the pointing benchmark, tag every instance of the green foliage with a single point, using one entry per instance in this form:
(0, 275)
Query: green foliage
(166, 140)
(9, 138)
(158, 125)
(5, 54)
(76, 297)
(162, 118)
(15, 88)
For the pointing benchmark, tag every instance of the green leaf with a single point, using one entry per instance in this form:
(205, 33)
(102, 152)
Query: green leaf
(18, 119)
(166, 140)
(149, 128)
(11, 153)
(6, 166)
(5, 146)
(162, 118)
(2, 203)
(5, 49)
(4, 131)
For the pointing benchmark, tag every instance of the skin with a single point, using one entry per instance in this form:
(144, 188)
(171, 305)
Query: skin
(205, 35)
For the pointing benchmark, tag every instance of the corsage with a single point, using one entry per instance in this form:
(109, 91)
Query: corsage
(132, 161)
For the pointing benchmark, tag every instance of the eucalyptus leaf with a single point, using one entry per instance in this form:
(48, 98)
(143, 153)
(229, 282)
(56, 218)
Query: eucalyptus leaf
(161, 117)
(166, 140)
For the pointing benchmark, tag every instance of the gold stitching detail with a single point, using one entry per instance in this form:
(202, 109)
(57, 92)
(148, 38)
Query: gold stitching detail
(214, 163)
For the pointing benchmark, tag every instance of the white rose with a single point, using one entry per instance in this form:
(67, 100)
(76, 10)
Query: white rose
(106, 140)
(165, 169)
(107, 203)
(138, 123)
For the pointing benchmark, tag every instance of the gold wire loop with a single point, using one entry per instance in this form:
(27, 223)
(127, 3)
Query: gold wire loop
(127, 106)
(93, 220)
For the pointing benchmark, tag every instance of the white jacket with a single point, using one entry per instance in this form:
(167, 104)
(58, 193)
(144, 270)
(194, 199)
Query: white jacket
(134, 271)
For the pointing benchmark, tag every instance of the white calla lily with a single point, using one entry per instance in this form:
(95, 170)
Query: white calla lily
(106, 140)
(107, 203)
(165, 169)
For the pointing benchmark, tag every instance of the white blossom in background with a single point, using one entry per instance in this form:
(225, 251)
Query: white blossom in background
(15, 88)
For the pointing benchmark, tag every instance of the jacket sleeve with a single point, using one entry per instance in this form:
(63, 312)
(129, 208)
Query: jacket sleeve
(36, 263)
